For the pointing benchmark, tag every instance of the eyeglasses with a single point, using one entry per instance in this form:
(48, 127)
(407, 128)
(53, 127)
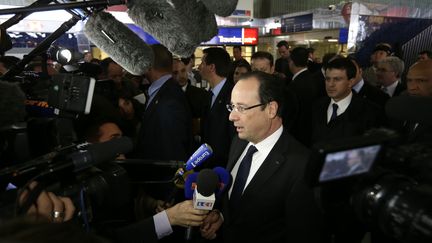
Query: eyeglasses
(240, 108)
(383, 70)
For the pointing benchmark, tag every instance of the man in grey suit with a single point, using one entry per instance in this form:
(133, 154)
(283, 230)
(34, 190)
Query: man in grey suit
(269, 200)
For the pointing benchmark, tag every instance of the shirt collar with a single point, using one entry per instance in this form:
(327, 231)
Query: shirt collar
(358, 86)
(218, 88)
(156, 85)
(342, 104)
(268, 142)
(298, 73)
(391, 88)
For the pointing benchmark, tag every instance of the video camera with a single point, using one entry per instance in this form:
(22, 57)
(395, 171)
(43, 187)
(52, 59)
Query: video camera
(387, 183)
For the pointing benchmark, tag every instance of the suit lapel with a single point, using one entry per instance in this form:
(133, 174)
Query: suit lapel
(238, 149)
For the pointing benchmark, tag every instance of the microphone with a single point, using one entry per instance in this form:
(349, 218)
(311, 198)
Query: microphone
(180, 25)
(222, 8)
(119, 42)
(197, 158)
(100, 152)
(410, 108)
(203, 195)
(224, 179)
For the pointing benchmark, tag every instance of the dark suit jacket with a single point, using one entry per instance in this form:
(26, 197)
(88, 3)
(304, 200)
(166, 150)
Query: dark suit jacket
(319, 80)
(401, 87)
(197, 99)
(140, 232)
(373, 94)
(276, 206)
(217, 130)
(166, 126)
(306, 91)
(360, 116)
(282, 66)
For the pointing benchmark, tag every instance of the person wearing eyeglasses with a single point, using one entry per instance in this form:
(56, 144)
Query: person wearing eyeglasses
(268, 200)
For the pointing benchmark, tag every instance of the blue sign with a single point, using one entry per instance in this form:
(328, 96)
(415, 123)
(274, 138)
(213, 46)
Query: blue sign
(297, 23)
(230, 36)
(343, 35)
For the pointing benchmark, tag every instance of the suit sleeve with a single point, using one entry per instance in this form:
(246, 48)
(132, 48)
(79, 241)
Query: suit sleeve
(143, 231)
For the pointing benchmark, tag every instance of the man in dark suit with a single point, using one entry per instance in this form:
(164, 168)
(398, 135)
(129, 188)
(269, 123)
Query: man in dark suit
(217, 131)
(306, 91)
(343, 113)
(269, 201)
(389, 73)
(281, 65)
(367, 90)
(166, 125)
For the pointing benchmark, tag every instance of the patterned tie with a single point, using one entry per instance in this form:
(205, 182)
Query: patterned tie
(241, 177)
(334, 113)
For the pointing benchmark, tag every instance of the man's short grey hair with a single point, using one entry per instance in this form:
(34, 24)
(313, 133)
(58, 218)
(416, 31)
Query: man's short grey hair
(396, 64)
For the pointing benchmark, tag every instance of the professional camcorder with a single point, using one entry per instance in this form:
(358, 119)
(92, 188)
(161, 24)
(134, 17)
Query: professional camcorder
(387, 183)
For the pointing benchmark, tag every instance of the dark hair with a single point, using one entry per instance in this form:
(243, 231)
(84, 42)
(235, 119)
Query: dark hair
(383, 47)
(343, 64)
(271, 88)
(245, 65)
(299, 56)
(311, 50)
(237, 47)
(427, 52)
(263, 55)
(220, 58)
(105, 64)
(163, 58)
(282, 43)
(9, 61)
(185, 60)
(329, 57)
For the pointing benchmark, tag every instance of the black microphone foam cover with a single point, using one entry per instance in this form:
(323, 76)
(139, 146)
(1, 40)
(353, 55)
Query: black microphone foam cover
(222, 8)
(180, 25)
(102, 152)
(119, 42)
(207, 182)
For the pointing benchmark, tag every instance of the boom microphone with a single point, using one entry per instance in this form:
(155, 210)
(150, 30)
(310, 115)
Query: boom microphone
(410, 108)
(222, 8)
(121, 43)
(180, 25)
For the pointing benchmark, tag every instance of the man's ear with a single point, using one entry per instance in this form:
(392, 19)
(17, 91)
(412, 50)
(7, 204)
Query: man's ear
(272, 109)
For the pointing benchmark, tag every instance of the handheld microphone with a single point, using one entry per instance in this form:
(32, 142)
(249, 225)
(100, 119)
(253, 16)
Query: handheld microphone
(198, 157)
(121, 43)
(180, 25)
(203, 196)
(224, 179)
(222, 8)
(410, 108)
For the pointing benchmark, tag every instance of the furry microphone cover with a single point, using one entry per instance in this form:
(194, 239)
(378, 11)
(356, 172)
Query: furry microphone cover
(119, 42)
(180, 25)
(222, 8)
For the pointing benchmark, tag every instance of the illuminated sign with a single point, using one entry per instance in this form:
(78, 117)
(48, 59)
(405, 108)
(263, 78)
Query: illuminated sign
(234, 36)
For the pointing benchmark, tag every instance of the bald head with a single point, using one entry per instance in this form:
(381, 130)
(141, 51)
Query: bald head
(419, 79)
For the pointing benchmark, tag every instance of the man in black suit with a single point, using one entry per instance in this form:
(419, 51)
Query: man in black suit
(269, 201)
(281, 65)
(389, 73)
(306, 91)
(367, 90)
(166, 125)
(217, 131)
(312, 65)
(343, 113)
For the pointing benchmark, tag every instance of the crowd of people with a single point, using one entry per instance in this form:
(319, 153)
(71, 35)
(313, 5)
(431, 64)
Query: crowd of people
(261, 120)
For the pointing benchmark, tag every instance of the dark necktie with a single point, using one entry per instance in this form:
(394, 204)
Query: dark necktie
(334, 113)
(241, 177)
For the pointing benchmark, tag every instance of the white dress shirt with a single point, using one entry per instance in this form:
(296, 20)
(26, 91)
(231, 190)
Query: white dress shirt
(342, 106)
